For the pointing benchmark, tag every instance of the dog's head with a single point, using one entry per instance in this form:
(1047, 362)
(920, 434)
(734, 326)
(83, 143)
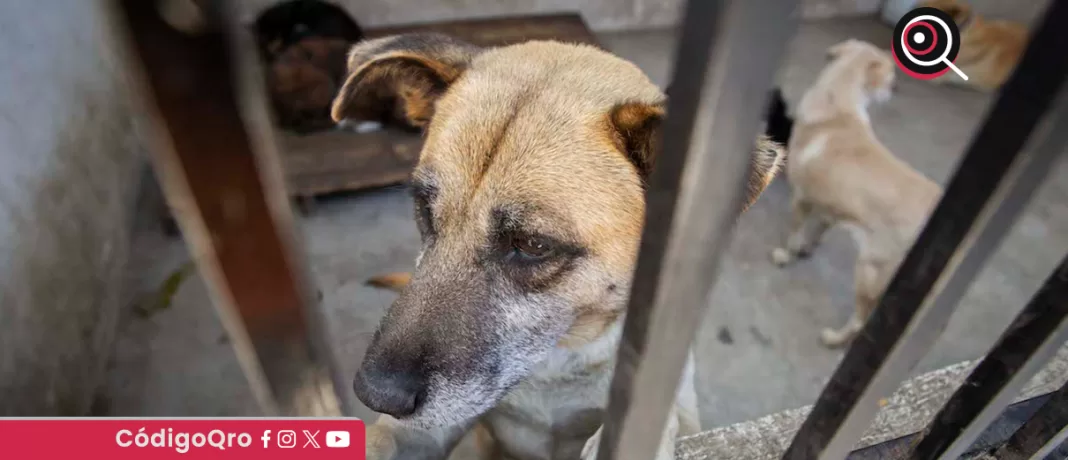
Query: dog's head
(859, 62)
(529, 199)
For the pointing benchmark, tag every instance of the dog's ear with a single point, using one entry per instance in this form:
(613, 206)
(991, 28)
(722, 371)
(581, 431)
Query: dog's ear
(958, 11)
(768, 158)
(399, 78)
(635, 128)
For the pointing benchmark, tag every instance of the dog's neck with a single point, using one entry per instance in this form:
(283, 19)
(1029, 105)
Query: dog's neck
(566, 361)
(828, 100)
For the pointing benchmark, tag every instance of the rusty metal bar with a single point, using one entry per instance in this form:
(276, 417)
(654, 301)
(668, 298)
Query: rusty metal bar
(1027, 344)
(214, 155)
(726, 61)
(990, 188)
(996, 435)
(1044, 432)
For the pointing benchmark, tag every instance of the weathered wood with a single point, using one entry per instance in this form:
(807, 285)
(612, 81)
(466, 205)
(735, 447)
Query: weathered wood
(215, 159)
(336, 161)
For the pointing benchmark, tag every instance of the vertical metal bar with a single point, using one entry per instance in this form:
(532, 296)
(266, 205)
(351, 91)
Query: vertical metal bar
(214, 161)
(694, 197)
(1044, 432)
(990, 188)
(1030, 341)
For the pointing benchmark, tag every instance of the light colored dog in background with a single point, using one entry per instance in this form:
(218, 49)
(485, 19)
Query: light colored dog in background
(841, 174)
(989, 50)
(529, 196)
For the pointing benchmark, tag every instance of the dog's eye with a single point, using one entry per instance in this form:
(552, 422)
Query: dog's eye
(532, 248)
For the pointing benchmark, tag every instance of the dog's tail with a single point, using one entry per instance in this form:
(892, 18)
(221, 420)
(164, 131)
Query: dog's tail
(392, 281)
(779, 124)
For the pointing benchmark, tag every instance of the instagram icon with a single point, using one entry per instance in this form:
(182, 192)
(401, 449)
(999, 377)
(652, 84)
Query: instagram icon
(287, 439)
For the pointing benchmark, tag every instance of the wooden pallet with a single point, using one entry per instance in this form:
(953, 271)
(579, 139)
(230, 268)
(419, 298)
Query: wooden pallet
(337, 161)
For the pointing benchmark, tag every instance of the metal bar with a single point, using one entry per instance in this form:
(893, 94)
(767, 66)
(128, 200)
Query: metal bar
(1011, 419)
(694, 196)
(1030, 341)
(229, 199)
(991, 186)
(1043, 433)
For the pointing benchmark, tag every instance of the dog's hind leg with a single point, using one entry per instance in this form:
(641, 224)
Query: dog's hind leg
(807, 227)
(868, 290)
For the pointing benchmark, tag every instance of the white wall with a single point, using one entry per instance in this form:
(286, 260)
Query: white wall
(68, 162)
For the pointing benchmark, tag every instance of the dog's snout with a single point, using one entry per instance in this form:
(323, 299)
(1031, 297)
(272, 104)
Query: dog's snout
(394, 391)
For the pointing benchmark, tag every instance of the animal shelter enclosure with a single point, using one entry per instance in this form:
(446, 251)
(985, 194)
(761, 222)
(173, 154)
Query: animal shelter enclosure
(679, 251)
(279, 304)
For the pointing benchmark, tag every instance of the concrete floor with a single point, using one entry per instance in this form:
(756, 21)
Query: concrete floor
(758, 352)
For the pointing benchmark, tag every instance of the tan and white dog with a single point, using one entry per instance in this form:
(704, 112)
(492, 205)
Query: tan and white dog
(841, 174)
(529, 196)
(989, 50)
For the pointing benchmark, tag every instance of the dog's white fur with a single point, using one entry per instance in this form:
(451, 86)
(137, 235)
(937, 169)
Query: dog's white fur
(842, 175)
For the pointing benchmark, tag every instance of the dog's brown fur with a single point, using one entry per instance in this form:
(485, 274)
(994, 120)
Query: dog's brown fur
(841, 174)
(529, 196)
(989, 50)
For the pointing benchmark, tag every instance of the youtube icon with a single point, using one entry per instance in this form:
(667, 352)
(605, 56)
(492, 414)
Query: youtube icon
(337, 439)
(284, 438)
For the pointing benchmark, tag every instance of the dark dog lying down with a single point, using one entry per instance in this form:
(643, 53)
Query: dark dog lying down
(303, 44)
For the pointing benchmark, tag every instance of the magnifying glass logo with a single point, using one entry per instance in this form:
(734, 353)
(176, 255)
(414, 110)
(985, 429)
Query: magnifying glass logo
(925, 44)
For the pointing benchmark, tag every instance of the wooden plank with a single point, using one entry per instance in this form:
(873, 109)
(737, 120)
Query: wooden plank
(214, 155)
(336, 161)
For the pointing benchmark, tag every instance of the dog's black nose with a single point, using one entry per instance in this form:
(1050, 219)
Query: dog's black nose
(390, 391)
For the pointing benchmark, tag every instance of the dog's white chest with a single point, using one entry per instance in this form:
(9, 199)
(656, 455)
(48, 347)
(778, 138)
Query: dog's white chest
(551, 414)
(549, 419)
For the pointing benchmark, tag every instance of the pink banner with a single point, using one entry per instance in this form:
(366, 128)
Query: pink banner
(155, 438)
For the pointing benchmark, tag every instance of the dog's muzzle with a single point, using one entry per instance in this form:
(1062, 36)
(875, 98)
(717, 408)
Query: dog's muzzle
(391, 388)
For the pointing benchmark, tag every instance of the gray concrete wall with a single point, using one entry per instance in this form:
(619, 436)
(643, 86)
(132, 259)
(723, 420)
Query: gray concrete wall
(600, 14)
(68, 163)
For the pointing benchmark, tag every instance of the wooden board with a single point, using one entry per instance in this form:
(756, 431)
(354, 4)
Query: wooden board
(336, 161)
(218, 173)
